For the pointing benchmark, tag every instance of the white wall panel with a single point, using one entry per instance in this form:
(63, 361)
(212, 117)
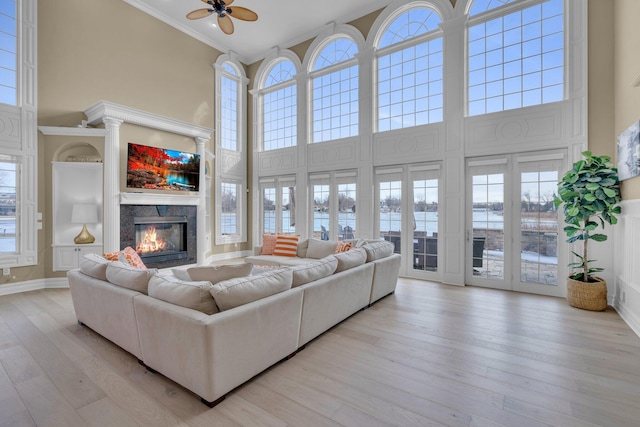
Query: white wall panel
(408, 145)
(333, 155)
(624, 292)
(277, 161)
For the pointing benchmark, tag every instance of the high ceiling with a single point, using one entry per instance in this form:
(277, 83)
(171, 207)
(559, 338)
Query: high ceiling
(282, 23)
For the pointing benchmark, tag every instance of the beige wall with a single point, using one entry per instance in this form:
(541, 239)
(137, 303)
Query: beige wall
(626, 70)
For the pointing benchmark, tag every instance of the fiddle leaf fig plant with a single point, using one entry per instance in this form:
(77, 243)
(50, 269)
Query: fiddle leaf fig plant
(589, 194)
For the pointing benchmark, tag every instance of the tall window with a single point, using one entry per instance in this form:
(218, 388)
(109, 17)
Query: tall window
(229, 109)
(516, 58)
(279, 107)
(334, 205)
(410, 71)
(231, 154)
(8, 52)
(278, 205)
(335, 91)
(230, 210)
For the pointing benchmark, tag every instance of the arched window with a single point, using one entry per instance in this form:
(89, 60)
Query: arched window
(279, 107)
(516, 56)
(410, 71)
(334, 81)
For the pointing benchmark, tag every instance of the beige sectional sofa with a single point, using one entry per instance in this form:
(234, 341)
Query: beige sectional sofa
(212, 337)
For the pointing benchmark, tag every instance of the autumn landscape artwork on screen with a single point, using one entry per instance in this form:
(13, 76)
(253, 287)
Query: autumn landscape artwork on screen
(153, 168)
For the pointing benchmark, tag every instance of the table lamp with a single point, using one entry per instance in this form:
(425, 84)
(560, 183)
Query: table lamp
(84, 214)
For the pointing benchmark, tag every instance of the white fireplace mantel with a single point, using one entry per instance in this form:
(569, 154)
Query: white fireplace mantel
(158, 199)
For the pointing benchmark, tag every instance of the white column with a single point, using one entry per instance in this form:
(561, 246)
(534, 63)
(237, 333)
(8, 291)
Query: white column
(204, 239)
(111, 185)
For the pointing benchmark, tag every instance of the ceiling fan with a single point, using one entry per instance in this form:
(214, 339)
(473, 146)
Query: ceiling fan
(224, 12)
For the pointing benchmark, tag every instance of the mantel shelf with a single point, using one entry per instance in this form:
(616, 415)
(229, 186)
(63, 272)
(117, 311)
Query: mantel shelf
(158, 199)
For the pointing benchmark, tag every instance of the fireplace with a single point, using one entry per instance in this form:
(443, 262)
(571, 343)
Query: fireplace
(163, 235)
(160, 238)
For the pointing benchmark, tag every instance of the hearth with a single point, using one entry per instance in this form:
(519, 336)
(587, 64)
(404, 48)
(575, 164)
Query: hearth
(163, 235)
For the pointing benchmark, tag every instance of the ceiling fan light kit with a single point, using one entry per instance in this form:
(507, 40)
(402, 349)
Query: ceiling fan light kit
(224, 12)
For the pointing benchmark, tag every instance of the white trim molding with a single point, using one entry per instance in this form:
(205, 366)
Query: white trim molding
(625, 289)
(34, 285)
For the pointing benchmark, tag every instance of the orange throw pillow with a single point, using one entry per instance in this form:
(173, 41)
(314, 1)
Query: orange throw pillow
(343, 247)
(286, 245)
(113, 256)
(268, 244)
(131, 256)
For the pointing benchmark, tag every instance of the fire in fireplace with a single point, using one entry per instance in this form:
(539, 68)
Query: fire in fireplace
(159, 239)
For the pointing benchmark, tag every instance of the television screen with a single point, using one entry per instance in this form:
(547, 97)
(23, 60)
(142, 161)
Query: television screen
(153, 168)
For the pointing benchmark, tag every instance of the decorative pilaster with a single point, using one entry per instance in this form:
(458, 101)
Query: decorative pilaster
(204, 239)
(111, 185)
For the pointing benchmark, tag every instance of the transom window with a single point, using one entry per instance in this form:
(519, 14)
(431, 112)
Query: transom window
(410, 77)
(279, 107)
(8, 52)
(335, 91)
(516, 59)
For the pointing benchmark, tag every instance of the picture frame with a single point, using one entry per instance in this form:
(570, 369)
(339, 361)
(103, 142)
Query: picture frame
(629, 152)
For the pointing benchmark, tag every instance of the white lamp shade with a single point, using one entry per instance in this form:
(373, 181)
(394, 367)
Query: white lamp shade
(84, 214)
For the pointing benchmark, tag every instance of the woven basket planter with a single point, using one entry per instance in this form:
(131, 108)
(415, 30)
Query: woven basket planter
(587, 296)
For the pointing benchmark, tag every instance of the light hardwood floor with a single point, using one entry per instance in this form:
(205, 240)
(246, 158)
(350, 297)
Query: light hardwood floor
(430, 354)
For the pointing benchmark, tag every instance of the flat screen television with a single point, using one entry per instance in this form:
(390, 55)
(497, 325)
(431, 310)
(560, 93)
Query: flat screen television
(153, 168)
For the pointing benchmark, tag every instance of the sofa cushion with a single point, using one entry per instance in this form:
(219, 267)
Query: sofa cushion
(350, 259)
(301, 251)
(128, 276)
(242, 290)
(189, 294)
(268, 244)
(321, 248)
(218, 273)
(314, 270)
(181, 273)
(286, 245)
(95, 266)
(378, 249)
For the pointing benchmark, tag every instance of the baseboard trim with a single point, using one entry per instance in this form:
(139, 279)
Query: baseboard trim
(629, 317)
(34, 285)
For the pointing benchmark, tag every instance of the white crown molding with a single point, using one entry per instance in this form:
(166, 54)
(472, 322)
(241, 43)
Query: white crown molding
(158, 199)
(104, 109)
(72, 131)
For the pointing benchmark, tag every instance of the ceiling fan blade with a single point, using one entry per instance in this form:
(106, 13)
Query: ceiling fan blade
(225, 24)
(199, 13)
(243, 13)
(228, 3)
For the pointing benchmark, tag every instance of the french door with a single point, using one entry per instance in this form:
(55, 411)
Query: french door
(512, 224)
(408, 198)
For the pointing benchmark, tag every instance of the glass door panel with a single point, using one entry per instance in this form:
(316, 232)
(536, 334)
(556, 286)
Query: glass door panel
(390, 213)
(425, 223)
(488, 225)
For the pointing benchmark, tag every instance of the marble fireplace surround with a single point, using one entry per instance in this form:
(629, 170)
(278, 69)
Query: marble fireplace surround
(113, 116)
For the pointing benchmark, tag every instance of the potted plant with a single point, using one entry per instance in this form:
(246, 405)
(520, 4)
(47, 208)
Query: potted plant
(589, 194)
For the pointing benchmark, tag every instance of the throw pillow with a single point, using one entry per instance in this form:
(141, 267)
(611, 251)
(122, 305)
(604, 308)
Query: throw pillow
(112, 256)
(189, 294)
(130, 256)
(242, 290)
(321, 248)
(343, 247)
(218, 273)
(286, 245)
(268, 244)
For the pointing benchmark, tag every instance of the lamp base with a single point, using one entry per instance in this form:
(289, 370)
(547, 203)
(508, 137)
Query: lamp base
(84, 237)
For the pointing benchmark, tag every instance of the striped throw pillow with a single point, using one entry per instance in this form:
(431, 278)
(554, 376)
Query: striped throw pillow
(286, 245)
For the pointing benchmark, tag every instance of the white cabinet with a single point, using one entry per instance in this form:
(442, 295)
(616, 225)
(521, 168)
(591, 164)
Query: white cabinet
(74, 183)
(68, 257)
